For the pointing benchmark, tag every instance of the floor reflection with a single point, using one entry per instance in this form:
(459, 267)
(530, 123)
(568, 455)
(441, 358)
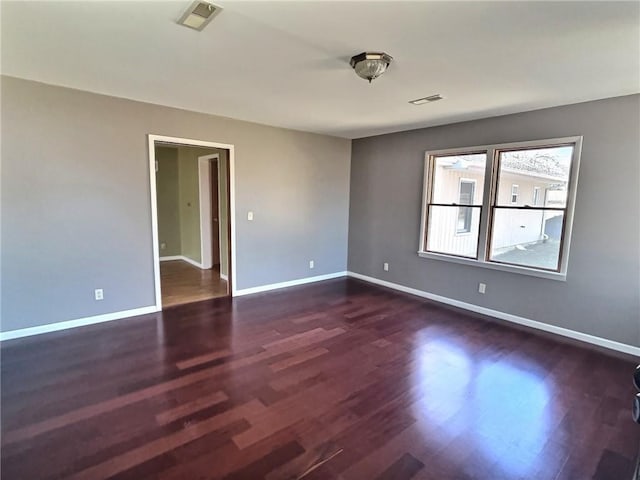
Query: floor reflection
(500, 409)
(512, 419)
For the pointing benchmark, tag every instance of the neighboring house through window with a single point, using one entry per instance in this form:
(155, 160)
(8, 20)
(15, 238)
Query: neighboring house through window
(465, 197)
(473, 211)
(536, 196)
(514, 193)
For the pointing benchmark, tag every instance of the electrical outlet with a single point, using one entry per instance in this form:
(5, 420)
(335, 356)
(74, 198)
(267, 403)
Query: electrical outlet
(311, 264)
(250, 216)
(385, 266)
(98, 293)
(482, 288)
(163, 246)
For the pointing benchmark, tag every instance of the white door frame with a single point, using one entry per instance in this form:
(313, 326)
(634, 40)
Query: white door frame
(204, 192)
(152, 139)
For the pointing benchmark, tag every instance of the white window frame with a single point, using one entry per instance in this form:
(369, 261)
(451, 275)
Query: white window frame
(490, 186)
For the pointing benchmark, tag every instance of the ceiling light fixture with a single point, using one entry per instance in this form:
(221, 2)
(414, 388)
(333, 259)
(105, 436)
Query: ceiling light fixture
(199, 14)
(370, 65)
(429, 99)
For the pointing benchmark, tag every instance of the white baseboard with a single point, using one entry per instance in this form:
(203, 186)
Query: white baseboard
(224, 277)
(291, 283)
(80, 322)
(183, 258)
(584, 337)
(565, 332)
(192, 262)
(171, 257)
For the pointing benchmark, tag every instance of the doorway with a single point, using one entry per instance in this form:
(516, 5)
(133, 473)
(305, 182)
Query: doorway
(192, 198)
(213, 188)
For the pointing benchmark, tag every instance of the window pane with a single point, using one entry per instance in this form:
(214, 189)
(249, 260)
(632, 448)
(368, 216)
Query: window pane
(536, 196)
(514, 194)
(529, 238)
(522, 171)
(467, 189)
(443, 230)
(465, 215)
(459, 179)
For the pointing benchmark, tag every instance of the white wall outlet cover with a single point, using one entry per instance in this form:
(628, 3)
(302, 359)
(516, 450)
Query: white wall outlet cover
(311, 264)
(385, 267)
(98, 293)
(163, 246)
(482, 288)
(250, 216)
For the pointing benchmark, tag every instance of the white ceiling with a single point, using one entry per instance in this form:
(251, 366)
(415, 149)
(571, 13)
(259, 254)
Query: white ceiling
(286, 63)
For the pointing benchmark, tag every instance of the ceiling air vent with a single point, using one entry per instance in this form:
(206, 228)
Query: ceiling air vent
(429, 99)
(199, 14)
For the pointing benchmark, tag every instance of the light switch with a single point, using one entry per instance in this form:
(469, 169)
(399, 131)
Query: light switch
(250, 216)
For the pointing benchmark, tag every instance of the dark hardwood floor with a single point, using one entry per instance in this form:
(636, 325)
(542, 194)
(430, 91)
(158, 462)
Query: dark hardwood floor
(335, 380)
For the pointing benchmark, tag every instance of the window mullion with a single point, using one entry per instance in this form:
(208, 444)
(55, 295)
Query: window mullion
(489, 185)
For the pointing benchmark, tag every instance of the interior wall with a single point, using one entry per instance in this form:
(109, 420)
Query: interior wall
(179, 202)
(601, 295)
(168, 202)
(75, 189)
(190, 219)
(189, 203)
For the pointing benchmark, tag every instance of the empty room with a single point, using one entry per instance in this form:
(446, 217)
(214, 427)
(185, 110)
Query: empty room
(307, 240)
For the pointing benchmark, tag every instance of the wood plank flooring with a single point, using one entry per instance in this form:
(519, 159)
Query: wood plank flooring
(184, 283)
(335, 380)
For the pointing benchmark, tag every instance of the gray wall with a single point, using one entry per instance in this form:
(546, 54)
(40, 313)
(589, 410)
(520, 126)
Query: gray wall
(76, 211)
(601, 294)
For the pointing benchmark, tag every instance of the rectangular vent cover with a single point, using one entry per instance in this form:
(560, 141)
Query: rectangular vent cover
(429, 99)
(199, 14)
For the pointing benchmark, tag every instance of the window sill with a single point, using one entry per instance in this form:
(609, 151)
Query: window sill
(562, 277)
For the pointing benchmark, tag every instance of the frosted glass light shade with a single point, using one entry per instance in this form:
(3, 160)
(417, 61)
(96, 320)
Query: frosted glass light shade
(370, 65)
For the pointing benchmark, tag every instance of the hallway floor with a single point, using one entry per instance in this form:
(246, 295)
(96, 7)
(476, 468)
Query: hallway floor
(184, 283)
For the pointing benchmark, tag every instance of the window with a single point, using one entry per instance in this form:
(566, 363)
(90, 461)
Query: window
(514, 193)
(465, 214)
(536, 196)
(474, 213)
(455, 204)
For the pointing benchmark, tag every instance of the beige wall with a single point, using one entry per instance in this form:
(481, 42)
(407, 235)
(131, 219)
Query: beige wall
(526, 184)
(189, 203)
(168, 202)
(516, 227)
(179, 202)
